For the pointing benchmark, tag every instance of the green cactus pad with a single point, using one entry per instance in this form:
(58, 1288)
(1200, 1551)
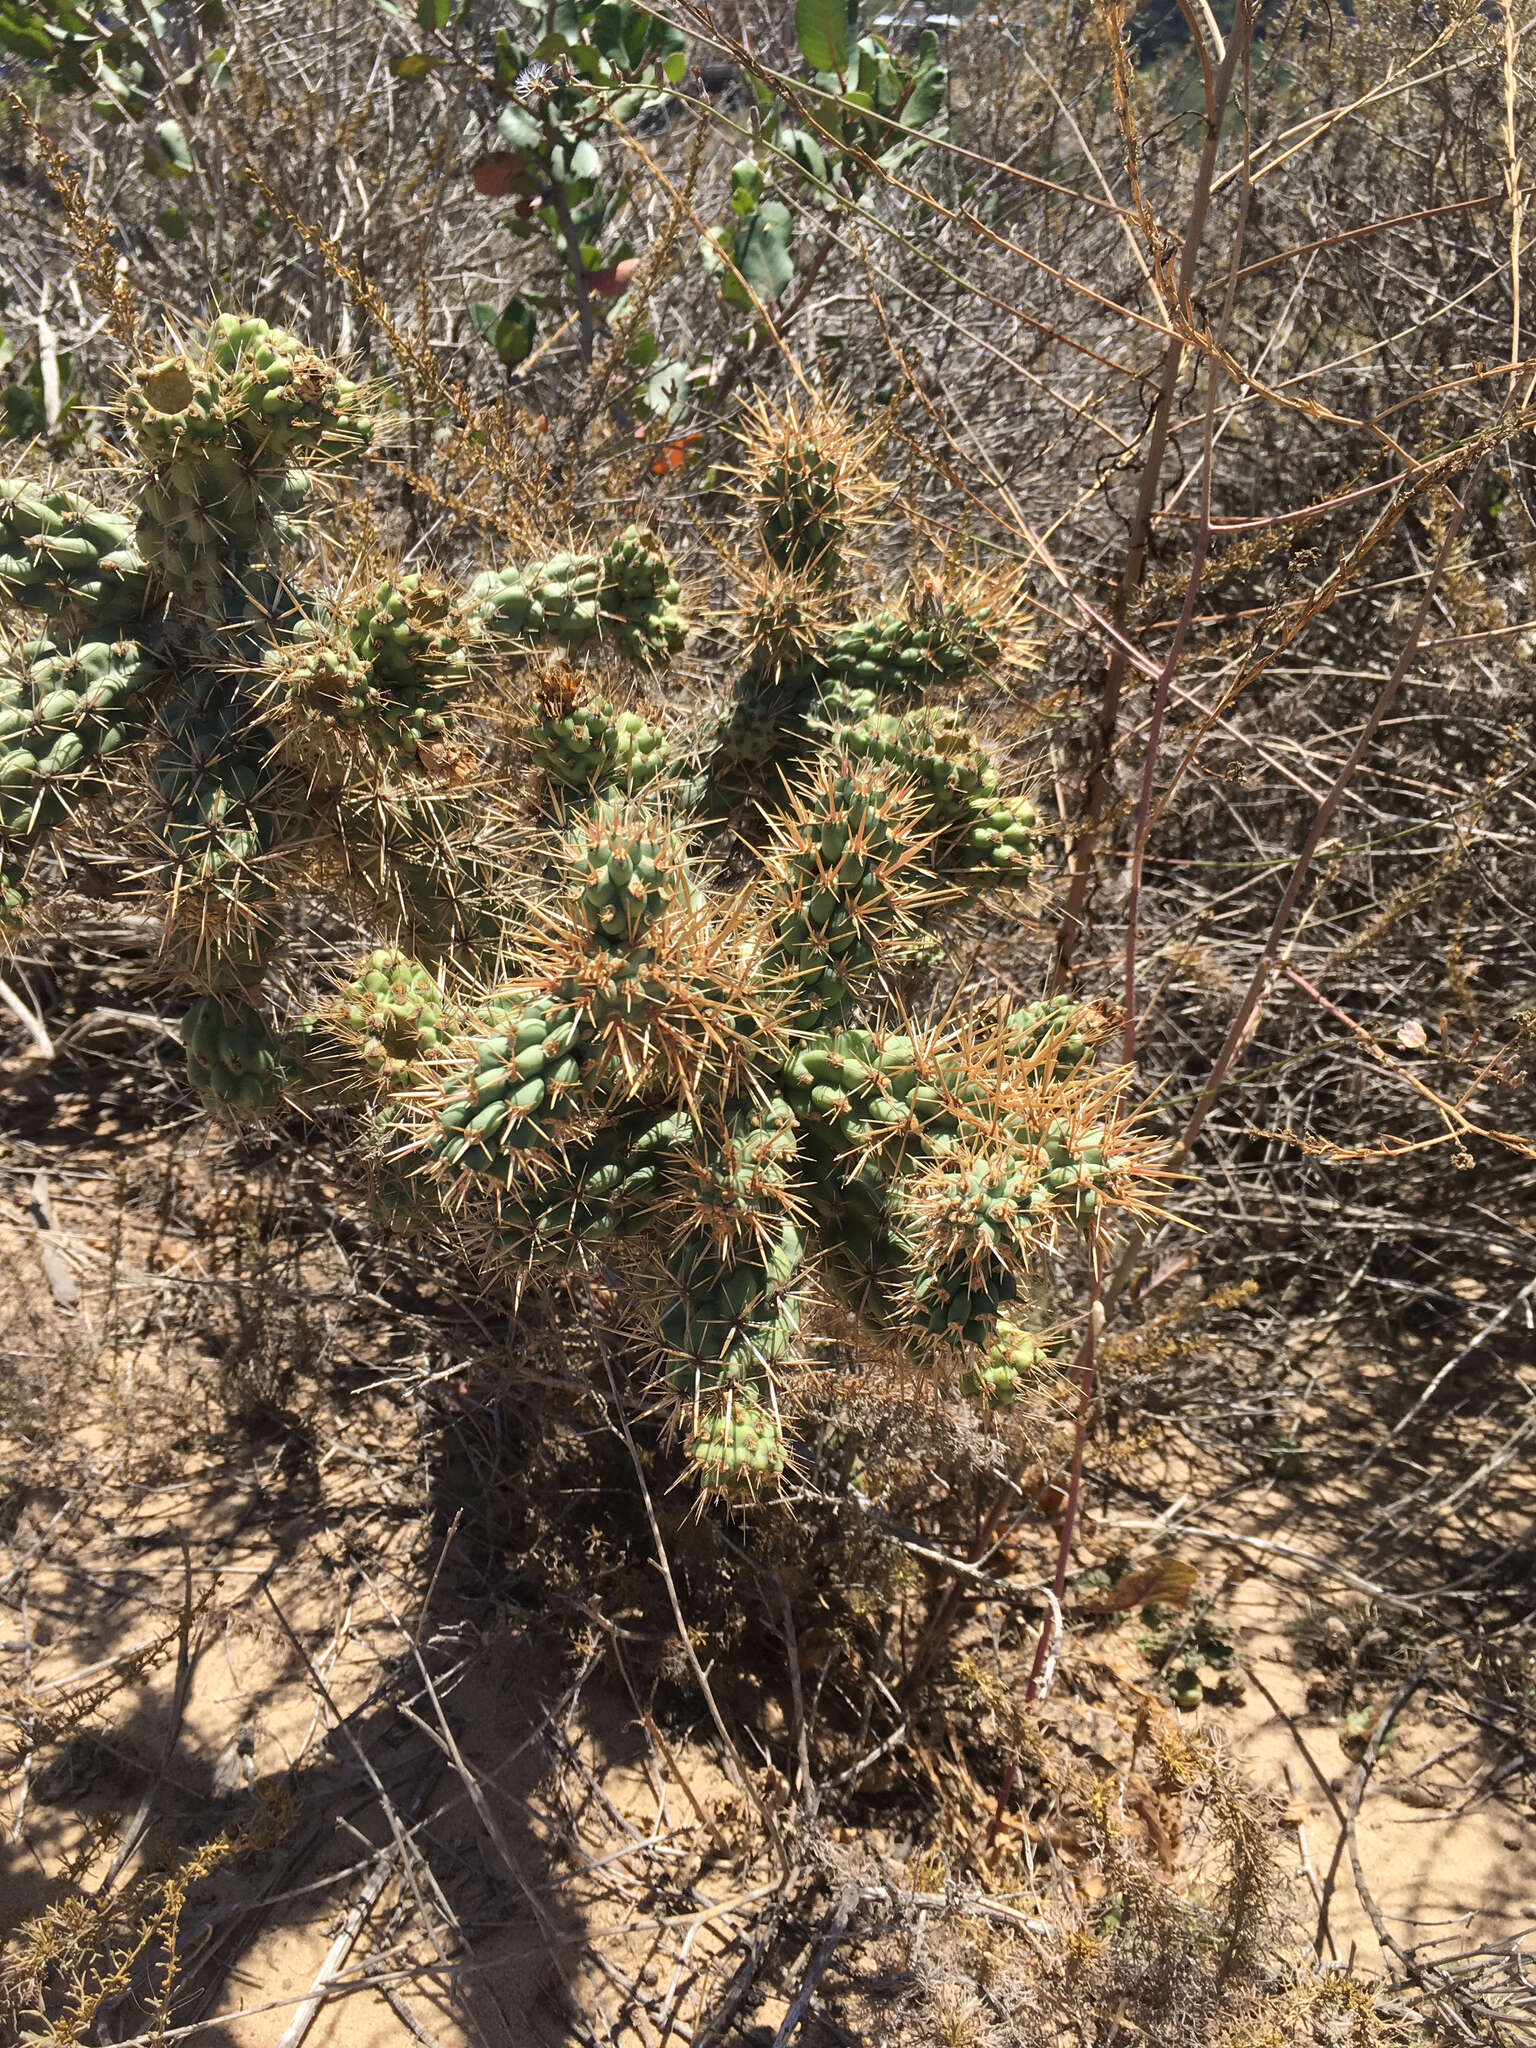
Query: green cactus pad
(1016, 1358)
(232, 1059)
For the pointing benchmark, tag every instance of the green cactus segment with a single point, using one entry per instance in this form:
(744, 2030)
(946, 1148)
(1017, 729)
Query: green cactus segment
(232, 1058)
(638, 596)
(856, 692)
(386, 674)
(736, 1445)
(596, 748)
(852, 1094)
(407, 637)
(1002, 837)
(740, 1185)
(222, 815)
(784, 627)
(849, 878)
(394, 1012)
(595, 1191)
(61, 556)
(61, 718)
(931, 746)
(977, 829)
(624, 867)
(754, 732)
(412, 858)
(229, 432)
(1017, 1358)
(801, 508)
(966, 1214)
(930, 1203)
(523, 1084)
(627, 596)
(730, 1318)
(732, 1321)
(1077, 1170)
(900, 656)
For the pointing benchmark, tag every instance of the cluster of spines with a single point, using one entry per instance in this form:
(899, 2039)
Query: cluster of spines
(231, 430)
(810, 473)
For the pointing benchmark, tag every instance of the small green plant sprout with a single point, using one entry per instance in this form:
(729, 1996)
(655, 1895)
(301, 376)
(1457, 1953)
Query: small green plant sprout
(700, 1067)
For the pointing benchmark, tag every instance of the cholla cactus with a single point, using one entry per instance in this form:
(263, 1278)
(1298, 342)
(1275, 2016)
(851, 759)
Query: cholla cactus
(1015, 1359)
(285, 736)
(607, 1041)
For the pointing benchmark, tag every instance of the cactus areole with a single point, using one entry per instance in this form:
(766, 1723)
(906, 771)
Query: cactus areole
(669, 1027)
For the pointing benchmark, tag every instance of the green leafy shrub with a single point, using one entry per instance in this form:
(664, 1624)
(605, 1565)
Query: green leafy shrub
(866, 114)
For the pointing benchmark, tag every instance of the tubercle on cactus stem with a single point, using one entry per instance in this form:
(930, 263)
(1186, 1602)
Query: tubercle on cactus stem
(583, 1046)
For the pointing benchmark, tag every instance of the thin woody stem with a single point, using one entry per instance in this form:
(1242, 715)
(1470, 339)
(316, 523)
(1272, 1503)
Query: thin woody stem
(1106, 726)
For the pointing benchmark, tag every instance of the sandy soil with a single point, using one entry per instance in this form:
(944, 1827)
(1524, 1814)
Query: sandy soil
(238, 1601)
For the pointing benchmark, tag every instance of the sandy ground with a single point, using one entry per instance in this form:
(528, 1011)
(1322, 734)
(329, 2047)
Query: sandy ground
(474, 1830)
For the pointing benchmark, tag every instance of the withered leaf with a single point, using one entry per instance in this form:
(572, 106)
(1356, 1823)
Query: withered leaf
(1164, 1582)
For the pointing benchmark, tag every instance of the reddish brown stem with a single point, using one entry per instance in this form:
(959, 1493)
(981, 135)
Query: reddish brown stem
(1186, 615)
(1096, 791)
(1086, 1361)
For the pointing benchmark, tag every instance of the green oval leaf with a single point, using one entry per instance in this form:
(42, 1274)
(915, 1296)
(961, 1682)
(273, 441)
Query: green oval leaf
(821, 30)
(806, 151)
(511, 333)
(926, 97)
(746, 185)
(519, 130)
(762, 249)
(166, 154)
